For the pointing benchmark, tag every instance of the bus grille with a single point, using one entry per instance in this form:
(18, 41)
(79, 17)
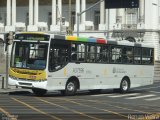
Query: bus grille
(27, 84)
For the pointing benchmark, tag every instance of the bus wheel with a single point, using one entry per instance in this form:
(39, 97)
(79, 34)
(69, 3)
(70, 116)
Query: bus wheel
(125, 85)
(39, 92)
(71, 88)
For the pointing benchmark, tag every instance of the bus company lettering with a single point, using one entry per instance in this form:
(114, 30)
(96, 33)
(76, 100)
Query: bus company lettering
(119, 70)
(32, 77)
(88, 72)
(78, 70)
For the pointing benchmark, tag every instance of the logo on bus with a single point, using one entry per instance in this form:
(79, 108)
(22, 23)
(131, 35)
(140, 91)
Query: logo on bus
(118, 70)
(32, 77)
(78, 70)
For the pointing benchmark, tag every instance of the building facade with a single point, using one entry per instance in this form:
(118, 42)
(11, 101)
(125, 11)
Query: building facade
(136, 24)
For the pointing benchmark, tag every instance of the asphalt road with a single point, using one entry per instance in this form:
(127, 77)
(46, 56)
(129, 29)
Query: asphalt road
(140, 103)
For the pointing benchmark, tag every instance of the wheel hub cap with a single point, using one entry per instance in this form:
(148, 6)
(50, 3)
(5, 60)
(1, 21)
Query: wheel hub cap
(70, 87)
(125, 85)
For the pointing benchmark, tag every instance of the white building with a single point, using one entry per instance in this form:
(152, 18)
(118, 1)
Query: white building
(137, 24)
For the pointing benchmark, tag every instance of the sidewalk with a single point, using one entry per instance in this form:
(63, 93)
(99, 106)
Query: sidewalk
(11, 89)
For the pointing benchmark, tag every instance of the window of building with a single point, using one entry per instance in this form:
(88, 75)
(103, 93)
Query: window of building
(131, 16)
(96, 19)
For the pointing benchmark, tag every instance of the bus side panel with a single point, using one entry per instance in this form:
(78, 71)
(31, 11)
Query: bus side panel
(100, 76)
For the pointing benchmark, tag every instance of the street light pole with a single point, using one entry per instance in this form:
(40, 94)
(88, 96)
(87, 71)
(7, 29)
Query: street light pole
(7, 66)
(80, 13)
(60, 18)
(78, 17)
(69, 17)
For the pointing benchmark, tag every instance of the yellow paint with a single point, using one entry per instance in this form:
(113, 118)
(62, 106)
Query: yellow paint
(141, 72)
(105, 72)
(105, 110)
(72, 110)
(65, 72)
(10, 117)
(35, 109)
(32, 33)
(27, 74)
(114, 106)
(71, 38)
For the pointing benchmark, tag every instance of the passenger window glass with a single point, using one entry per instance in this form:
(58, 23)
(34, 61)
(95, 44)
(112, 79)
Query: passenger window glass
(78, 52)
(102, 54)
(137, 55)
(127, 55)
(116, 53)
(59, 52)
(91, 50)
(147, 56)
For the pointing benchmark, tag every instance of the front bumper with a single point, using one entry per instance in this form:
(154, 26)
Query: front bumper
(27, 83)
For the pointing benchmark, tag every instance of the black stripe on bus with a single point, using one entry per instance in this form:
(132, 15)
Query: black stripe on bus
(61, 37)
(137, 45)
(112, 42)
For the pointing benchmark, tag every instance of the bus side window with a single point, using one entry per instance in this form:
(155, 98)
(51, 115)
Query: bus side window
(137, 55)
(147, 56)
(152, 56)
(91, 53)
(127, 55)
(59, 53)
(102, 54)
(77, 52)
(74, 52)
(116, 54)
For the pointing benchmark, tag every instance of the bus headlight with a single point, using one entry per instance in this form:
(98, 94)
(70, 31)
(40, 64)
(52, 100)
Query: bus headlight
(12, 77)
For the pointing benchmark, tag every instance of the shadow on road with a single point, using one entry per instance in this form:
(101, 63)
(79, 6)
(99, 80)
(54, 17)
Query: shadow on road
(79, 93)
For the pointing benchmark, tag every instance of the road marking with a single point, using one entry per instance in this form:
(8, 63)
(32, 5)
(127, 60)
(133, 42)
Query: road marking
(147, 88)
(102, 102)
(112, 112)
(8, 115)
(137, 97)
(123, 95)
(111, 103)
(152, 99)
(102, 95)
(66, 108)
(35, 109)
(154, 92)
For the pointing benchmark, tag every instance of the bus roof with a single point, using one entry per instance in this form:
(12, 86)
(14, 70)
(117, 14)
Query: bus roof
(90, 39)
(102, 41)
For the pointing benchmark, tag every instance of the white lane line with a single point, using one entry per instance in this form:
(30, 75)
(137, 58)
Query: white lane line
(102, 95)
(154, 91)
(123, 95)
(144, 96)
(152, 99)
(147, 88)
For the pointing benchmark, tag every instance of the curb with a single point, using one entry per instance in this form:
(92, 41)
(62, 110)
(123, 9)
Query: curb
(4, 92)
(14, 91)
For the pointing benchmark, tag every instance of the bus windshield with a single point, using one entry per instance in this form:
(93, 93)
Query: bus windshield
(29, 55)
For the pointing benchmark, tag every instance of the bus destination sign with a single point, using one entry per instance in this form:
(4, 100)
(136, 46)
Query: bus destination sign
(36, 37)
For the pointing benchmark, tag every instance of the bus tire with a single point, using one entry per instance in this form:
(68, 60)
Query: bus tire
(125, 85)
(71, 88)
(39, 92)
